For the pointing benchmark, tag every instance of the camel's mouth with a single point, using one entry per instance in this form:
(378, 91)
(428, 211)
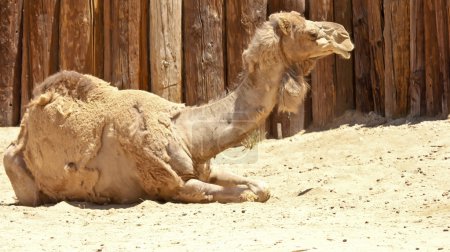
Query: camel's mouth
(344, 54)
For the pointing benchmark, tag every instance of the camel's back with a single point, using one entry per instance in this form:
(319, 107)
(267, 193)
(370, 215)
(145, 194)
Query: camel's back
(65, 126)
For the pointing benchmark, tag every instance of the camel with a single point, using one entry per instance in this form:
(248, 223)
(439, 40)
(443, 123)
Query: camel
(82, 139)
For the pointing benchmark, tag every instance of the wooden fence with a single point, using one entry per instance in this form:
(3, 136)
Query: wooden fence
(190, 51)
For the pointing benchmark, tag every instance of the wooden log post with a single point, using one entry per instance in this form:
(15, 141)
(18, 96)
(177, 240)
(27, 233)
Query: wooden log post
(126, 63)
(376, 46)
(447, 8)
(286, 6)
(363, 87)
(397, 70)
(290, 123)
(203, 29)
(166, 48)
(40, 45)
(99, 42)
(242, 19)
(417, 59)
(323, 78)
(444, 57)
(344, 67)
(76, 42)
(433, 88)
(10, 34)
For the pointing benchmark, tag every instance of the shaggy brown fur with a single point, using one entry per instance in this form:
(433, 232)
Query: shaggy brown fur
(73, 120)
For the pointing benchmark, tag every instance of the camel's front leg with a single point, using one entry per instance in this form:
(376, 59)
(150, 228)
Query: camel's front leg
(228, 179)
(196, 191)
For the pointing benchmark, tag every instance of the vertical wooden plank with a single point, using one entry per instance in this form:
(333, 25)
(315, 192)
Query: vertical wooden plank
(286, 6)
(323, 78)
(126, 43)
(290, 123)
(166, 48)
(447, 7)
(203, 26)
(417, 59)
(363, 87)
(344, 67)
(40, 45)
(98, 46)
(376, 46)
(433, 88)
(107, 40)
(242, 18)
(144, 59)
(10, 32)
(397, 71)
(76, 36)
(442, 39)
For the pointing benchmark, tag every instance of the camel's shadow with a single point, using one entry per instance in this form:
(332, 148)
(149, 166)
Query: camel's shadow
(369, 120)
(85, 205)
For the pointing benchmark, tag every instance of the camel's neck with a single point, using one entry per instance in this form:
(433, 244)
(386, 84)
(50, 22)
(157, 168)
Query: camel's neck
(214, 127)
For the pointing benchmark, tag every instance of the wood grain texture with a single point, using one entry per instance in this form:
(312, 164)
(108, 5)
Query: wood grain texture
(76, 43)
(204, 38)
(447, 8)
(323, 78)
(144, 46)
(376, 46)
(242, 18)
(10, 34)
(444, 57)
(344, 67)
(363, 86)
(99, 42)
(433, 88)
(40, 45)
(417, 59)
(397, 70)
(291, 123)
(166, 48)
(126, 43)
(286, 6)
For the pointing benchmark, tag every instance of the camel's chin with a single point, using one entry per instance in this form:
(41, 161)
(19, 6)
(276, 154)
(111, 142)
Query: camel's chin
(345, 55)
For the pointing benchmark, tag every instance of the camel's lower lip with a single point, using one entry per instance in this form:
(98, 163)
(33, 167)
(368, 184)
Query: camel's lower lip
(345, 55)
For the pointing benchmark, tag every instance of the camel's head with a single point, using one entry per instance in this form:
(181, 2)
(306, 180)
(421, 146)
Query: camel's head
(302, 39)
(302, 42)
(289, 38)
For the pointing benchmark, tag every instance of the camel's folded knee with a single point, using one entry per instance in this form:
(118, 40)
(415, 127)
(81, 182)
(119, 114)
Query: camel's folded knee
(20, 177)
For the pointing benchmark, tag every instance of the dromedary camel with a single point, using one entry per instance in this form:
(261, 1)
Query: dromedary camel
(82, 139)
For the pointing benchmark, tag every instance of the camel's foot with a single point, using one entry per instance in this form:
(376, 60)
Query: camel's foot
(21, 179)
(260, 189)
(228, 179)
(196, 191)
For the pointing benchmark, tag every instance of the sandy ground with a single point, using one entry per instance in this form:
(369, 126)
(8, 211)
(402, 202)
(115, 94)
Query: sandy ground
(352, 188)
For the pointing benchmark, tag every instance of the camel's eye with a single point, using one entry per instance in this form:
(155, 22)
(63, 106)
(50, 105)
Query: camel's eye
(311, 34)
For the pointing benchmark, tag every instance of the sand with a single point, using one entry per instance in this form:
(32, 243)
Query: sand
(351, 188)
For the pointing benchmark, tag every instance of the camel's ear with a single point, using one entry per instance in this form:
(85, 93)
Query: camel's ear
(285, 26)
(283, 23)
